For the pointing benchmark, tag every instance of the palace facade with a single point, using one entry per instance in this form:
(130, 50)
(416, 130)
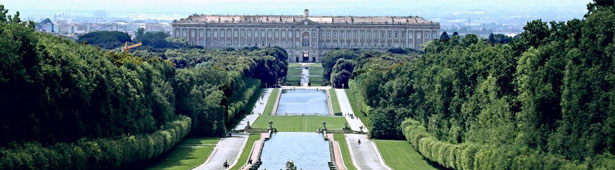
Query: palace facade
(305, 37)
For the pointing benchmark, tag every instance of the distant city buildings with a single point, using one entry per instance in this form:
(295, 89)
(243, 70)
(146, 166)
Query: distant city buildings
(65, 26)
(46, 25)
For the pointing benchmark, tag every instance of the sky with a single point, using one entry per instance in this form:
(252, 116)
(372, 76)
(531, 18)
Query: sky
(425, 8)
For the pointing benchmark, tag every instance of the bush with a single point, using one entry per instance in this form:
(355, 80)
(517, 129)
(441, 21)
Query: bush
(470, 156)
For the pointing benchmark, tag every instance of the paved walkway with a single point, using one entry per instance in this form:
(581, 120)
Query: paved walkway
(305, 75)
(337, 153)
(342, 99)
(365, 155)
(227, 150)
(255, 154)
(259, 108)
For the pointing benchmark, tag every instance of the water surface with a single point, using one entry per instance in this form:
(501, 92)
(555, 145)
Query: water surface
(308, 150)
(303, 102)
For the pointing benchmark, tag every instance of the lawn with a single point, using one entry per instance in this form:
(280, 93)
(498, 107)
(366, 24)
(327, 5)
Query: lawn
(345, 152)
(271, 102)
(293, 77)
(243, 159)
(316, 72)
(399, 154)
(334, 102)
(355, 102)
(188, 154)
(294, 64)
(299, 123)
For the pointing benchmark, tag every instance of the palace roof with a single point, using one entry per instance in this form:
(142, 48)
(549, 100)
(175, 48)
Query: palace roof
(282, 19)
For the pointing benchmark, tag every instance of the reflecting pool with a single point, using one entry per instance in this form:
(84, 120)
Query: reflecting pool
(308, 150)
(303, 102)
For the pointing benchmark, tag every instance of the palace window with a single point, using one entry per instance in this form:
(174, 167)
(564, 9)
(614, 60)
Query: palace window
(306, 39)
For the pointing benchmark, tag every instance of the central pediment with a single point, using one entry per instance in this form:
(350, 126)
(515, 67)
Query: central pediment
(306, 22)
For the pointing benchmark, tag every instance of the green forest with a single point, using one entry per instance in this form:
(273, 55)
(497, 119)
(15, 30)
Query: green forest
(544, 100)
(70, 105)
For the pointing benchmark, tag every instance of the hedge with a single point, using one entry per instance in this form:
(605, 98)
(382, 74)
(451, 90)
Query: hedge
(97, 153)
(243, 97)
(472, 156)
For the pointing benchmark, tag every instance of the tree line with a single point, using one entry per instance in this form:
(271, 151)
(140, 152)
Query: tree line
(57, 92)
(544, 100)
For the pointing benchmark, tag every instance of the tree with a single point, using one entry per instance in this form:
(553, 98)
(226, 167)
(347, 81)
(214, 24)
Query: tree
(444, 37)
(105, 39)
(139, 34)
(330, 59)
(470, 39)
(397, 51)
(342, 71)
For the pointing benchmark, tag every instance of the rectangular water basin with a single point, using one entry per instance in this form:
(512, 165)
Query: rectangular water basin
(308, 151)
(303, 102)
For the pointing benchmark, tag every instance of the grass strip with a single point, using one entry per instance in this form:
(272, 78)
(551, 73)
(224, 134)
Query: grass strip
(399, 154)
(336, 105)
(345, 152)
(188, 154)
(271, 102)
(299, 123)
(245, 154)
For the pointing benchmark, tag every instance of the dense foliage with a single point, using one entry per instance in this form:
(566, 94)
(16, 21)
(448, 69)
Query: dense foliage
(60, 94)
(55, 90)
(471, 156)
(544, 101)
(158, 41)
(106, 153)
(105, 39)
(267, 64)
(362, 61)
(341, 73)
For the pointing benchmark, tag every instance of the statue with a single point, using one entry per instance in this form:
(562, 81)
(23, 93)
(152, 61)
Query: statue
(248, 126)
(324, 125)
(270, 124)
(290, 165)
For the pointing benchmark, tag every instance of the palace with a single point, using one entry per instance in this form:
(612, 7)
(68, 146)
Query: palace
(305, 37)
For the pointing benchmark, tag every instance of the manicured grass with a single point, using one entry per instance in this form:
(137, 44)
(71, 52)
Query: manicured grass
(294, 64)
(315, 65)
(316, 72)
(345, 152)
(188, 154)
(355, 103)
(245, 154)
(334, 102)
(399, 154)
(299, 123)
(271, 102)
(293, 77)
